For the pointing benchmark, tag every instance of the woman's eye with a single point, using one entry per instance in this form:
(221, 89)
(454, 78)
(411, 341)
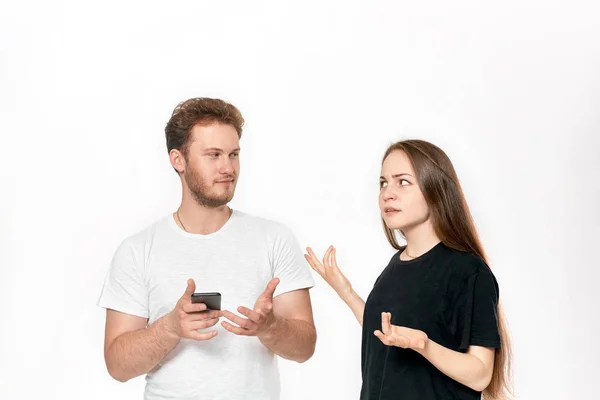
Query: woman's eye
(404, 182)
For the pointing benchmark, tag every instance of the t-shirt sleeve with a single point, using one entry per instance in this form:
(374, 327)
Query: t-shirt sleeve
(287, 262)
(124, 289)
(476, 311)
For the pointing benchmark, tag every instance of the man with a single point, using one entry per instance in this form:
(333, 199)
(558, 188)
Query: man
(153, 328)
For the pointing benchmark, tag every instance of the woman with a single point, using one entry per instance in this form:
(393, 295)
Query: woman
(432, 328)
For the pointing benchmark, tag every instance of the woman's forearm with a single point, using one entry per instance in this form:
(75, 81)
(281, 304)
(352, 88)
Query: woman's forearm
(462, 367)
(355, 302)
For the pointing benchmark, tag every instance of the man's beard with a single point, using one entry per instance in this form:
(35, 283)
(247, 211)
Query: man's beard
(201, 192)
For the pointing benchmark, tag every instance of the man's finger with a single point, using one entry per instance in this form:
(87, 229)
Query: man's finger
(266, 306)
(202, 336)
(241, 322)
(190, 289)
(202, 324)
(235, 329)
(270, 289)
(203, 315)
(252, 315)
(194, 307)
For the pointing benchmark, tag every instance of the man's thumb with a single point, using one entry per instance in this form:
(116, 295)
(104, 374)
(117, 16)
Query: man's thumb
(191, 288)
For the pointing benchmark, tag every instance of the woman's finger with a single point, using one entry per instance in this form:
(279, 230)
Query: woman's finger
(381, 337)
(326, 263)
(333, 259)
(385, 325)
(318, 268)
(313, 261)
(310, 262)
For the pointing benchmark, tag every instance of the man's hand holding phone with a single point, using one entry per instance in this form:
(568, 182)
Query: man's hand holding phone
(187, 317)
(258, 321)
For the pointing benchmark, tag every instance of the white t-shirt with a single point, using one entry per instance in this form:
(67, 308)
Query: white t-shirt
(149, 273)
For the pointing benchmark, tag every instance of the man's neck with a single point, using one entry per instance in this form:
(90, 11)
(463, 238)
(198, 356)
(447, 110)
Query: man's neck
(194, 218)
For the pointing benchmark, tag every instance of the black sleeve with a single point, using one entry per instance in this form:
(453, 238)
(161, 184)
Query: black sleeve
(476, 311)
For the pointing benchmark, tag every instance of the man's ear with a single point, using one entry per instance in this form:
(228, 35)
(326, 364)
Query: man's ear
(177, 160)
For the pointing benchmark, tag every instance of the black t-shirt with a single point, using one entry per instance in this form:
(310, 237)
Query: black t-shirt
(450, 295)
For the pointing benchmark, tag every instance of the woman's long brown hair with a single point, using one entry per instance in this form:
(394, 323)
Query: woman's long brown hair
(454, 226)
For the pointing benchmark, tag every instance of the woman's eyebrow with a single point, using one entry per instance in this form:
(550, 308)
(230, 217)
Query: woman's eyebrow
(397, 176)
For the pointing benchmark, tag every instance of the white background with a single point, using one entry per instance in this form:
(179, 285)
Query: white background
(510, 90)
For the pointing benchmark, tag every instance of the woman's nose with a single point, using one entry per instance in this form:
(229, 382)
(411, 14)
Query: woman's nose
(388, 194)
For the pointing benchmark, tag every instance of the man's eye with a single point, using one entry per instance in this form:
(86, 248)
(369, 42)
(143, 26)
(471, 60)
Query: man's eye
(214, 154)
(235, 155)
(382, 184)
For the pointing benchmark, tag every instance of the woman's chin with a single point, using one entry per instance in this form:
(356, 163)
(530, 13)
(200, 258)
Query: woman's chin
(394, 224)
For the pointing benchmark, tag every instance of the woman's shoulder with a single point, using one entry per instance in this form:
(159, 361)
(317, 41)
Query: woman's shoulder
(465, 263)
(466, 271)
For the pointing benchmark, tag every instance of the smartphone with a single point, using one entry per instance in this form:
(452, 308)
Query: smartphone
(212, 300)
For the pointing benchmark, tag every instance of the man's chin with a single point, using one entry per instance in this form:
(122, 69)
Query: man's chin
(213, 201)
(221, 200)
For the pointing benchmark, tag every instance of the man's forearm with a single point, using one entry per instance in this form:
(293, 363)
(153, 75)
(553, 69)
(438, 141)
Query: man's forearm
(292, 339)
(136, 353)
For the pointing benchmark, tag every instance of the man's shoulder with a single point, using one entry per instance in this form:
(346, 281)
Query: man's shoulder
(142, 236)
(267, 225)
(252, 219)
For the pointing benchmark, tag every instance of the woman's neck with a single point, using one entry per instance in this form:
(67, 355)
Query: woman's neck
(420, 239)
